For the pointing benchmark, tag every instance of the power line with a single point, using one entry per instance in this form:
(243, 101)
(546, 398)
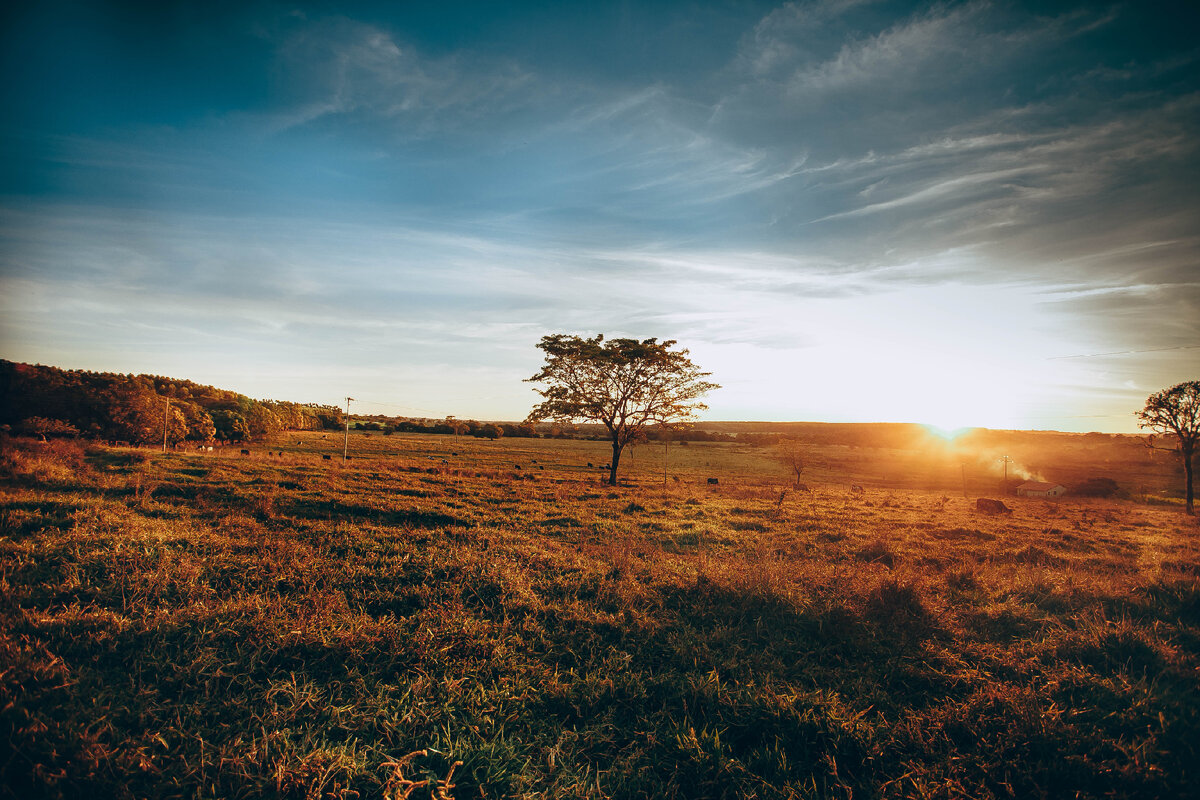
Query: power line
(397, 405)
(1126, 352)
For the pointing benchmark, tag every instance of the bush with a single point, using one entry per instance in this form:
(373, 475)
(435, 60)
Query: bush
(48, 428)
(1096, 487)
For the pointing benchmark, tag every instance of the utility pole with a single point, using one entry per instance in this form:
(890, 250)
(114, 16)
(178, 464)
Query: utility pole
(346, 443)
(964, 478)
(1005, 459)
(166, 411)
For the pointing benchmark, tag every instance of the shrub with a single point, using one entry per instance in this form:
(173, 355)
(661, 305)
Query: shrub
(1096, 487)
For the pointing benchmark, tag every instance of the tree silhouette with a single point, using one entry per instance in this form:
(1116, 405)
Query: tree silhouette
(1176, 412)
(623, 384)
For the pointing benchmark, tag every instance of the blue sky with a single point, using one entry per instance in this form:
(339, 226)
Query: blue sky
(960, 213)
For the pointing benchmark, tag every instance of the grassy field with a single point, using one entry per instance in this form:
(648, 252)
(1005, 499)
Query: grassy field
(486, 619)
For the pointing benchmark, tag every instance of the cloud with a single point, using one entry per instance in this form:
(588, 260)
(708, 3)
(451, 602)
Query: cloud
(339, 67)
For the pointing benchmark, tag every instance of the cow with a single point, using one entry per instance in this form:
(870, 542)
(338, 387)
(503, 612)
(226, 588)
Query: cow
(987, 505)
(245, 452)
(714, 481)
(327, 458)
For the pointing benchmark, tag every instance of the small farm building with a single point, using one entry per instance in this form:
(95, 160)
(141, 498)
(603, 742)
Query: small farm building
(1039, 489)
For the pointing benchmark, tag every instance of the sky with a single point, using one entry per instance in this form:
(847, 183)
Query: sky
(960, 214)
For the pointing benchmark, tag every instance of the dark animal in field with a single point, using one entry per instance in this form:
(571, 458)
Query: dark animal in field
(245, 452)
(535, 460)
(987, 505)
(714, 481)
(590, 464)
(540, 466)
(327, 458)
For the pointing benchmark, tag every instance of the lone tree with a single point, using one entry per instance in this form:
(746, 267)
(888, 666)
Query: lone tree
(623, 384)
(1176, 412)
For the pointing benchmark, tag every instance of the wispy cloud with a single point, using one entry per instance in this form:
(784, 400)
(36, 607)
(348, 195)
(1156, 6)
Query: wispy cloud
(339, 67)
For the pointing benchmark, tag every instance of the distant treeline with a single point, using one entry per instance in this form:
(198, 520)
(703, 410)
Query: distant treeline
(138, 409)
(496, 430)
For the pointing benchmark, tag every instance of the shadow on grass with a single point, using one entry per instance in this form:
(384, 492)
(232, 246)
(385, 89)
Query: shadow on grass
(22, 518)
(318, 509)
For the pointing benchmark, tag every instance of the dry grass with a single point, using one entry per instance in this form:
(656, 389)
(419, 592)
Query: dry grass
(285, 626)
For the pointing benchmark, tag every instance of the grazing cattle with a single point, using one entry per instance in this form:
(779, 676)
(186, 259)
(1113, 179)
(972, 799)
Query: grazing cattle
(987, 505)
(535, 460)
(327, 458)
(590, 464)
(714, 481)
(245, 452)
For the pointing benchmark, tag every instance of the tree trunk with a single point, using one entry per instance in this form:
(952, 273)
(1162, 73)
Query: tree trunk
(612, 465)
(1187, 473)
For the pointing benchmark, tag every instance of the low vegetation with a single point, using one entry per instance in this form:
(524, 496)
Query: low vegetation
(488, 619)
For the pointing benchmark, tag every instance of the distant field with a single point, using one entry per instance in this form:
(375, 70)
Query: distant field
(283, 625)
(924, 461)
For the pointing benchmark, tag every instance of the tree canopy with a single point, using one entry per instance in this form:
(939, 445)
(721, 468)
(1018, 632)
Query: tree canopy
(1176, 412)
(623, 384)
(41, 400)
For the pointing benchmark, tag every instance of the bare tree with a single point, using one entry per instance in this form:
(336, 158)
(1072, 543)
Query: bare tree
(1176, 412)
(790, 456)
(623, 384)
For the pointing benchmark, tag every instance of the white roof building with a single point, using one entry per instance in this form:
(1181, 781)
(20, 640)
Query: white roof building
(1039, 489)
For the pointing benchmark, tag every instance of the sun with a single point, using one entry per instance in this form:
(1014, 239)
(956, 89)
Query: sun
(946, 433)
